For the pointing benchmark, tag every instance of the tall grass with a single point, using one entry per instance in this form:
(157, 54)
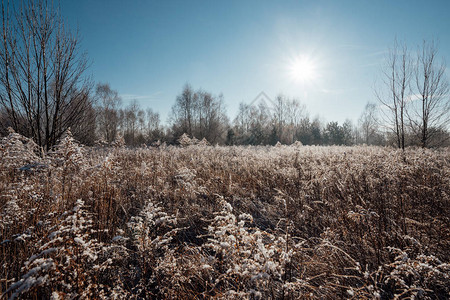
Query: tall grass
(198, 222)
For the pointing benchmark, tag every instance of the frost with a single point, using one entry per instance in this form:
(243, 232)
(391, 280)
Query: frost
(286, 222)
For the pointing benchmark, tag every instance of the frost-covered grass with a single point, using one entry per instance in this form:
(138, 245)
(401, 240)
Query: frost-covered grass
(283, 222)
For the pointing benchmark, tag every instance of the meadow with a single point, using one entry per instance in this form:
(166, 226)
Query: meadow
(235, 222)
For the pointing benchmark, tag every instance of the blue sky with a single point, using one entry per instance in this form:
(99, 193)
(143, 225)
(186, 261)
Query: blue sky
(148, 50)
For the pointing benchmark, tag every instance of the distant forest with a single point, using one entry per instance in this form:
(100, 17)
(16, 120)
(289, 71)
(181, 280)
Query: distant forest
(201, 115)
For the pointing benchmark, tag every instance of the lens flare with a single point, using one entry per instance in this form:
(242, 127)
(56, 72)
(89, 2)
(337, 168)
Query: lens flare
(303, 69)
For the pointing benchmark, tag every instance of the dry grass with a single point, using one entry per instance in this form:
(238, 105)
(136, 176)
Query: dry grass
(198, 222)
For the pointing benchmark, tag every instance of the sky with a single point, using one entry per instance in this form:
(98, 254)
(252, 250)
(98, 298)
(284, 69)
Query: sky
(326, 54)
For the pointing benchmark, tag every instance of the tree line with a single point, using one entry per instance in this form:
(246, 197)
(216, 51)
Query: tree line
(200, 114)
(44, 91)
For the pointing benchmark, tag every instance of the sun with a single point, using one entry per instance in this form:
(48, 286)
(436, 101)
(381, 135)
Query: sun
(303, 69)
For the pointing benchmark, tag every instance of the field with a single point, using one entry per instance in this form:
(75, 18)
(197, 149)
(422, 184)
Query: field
(285, 222)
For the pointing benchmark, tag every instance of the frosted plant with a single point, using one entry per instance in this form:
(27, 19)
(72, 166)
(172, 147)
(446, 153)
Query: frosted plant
(203, 142)
(184, 140)
(186, 178)
(67, 160)
(17, 150)
(182, 276)
(66, 262)
(10, 215)
(245, 262)
(147, 227)
(67, 154)
(413, 277)
(152, 232)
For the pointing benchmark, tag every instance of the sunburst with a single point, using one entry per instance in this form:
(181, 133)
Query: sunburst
(303, 69)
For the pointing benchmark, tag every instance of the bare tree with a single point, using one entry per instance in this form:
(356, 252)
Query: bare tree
(242, 121)
(430, 110)
(286, 118)
(154, 130)
(42, 88)
(212, 120)
(83, 129)
(107, 112)
(183, 112)
(130, 123)
(199, 114)
(397, 75)
(368, 124)
(252, 124)
(279, 116)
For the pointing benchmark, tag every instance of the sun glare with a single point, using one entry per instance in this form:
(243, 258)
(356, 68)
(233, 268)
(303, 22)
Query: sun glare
(303, 69)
